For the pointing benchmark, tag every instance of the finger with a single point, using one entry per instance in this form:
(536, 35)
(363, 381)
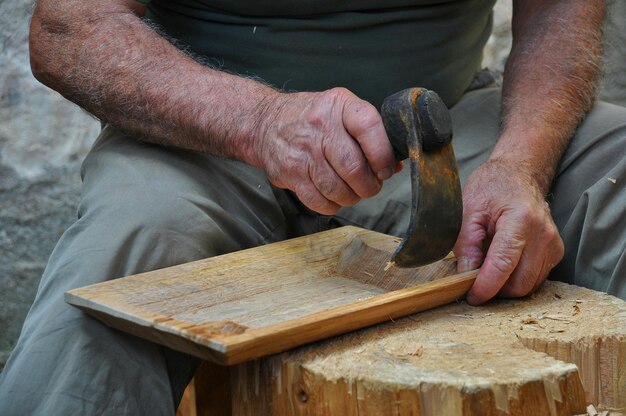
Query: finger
(529, 271)
(502, 258)
(330, 185)
(543, 275)
(348, 161)
(468, 247)
(557, 256)
(309, 195)
(540, 255)
(556, 259)
(363, 122)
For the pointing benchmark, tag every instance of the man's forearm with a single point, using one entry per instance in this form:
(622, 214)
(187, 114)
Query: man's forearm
(549, 81)
(328, 147)
(102, 56)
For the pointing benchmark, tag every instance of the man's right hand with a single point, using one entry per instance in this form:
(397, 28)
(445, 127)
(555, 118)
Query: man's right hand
(330, 148)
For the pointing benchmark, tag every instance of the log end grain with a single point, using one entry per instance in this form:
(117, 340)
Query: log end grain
(552, 353)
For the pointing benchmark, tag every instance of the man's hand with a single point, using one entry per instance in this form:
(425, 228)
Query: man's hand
(549, 84)
(330, 148)
(503, 204)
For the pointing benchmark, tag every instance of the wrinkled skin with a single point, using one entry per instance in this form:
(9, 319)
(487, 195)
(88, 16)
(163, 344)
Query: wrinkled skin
(330, 148)
(502, 204)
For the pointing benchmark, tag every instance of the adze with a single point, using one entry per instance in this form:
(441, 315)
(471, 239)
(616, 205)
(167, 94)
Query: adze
(419, 127)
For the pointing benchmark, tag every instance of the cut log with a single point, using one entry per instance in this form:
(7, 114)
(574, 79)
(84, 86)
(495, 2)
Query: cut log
(551, 354)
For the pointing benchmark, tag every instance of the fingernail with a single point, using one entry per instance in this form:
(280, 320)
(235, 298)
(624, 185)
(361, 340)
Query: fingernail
(463, 264)
(384, 174)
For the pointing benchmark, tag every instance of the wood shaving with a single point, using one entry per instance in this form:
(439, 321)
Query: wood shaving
(556, 295)
(465, 315)
(556, 318)
(576, 310)
(529, 320)
(389, 265)
(612, 180)
(419, 351)
(591, 411)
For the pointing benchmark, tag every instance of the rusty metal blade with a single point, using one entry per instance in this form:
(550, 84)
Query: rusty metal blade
(419, 127)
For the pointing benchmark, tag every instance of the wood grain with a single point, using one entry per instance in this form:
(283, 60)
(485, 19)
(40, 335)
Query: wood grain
(553, 353)
(268, 299)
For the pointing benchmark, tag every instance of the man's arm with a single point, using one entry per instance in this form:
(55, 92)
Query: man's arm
(329, 147)
(549, 84)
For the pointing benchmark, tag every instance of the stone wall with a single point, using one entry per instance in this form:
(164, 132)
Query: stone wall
(43, 138)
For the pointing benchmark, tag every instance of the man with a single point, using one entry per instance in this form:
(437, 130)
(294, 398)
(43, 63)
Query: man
(197, 159)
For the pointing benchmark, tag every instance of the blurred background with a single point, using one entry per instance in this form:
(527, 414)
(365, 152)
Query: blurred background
(43, 139)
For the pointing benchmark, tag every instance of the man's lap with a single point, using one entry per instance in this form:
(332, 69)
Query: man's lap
(145, 207)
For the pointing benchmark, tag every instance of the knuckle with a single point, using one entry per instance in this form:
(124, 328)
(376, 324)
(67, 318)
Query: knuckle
(554, 232)
(526, 213)
(366, 115)
(511, 242)
(360, 112)
(326, 186)
(325, 103)
(318, 119)
(553, 254)
(356, 173)
(551, 237)
(338, 93)
(331, 189)
(290, 166)
(503, 264)
(354, 170)
(314, 201)
(559, 249)
(336, 191)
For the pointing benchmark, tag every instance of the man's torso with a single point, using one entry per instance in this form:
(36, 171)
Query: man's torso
(372, 47)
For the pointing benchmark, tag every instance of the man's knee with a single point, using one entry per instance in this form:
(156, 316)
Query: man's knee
(178, 206)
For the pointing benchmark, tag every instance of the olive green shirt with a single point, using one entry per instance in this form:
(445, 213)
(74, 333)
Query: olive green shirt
(372, 47)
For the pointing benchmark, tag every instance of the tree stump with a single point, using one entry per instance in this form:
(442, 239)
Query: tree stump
(551, 354)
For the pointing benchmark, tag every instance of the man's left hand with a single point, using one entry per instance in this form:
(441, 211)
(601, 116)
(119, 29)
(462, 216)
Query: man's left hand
(502, 204)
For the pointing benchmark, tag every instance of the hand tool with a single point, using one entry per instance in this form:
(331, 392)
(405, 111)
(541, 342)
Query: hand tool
(419, 128)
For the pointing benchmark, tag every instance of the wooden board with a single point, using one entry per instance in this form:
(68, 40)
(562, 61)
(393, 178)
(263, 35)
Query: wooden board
(255, 302)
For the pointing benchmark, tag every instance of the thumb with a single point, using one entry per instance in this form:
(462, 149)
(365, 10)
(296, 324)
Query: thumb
(469, 245)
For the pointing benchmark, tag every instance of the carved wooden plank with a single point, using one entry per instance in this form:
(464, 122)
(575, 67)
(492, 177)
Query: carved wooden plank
(260, 301)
